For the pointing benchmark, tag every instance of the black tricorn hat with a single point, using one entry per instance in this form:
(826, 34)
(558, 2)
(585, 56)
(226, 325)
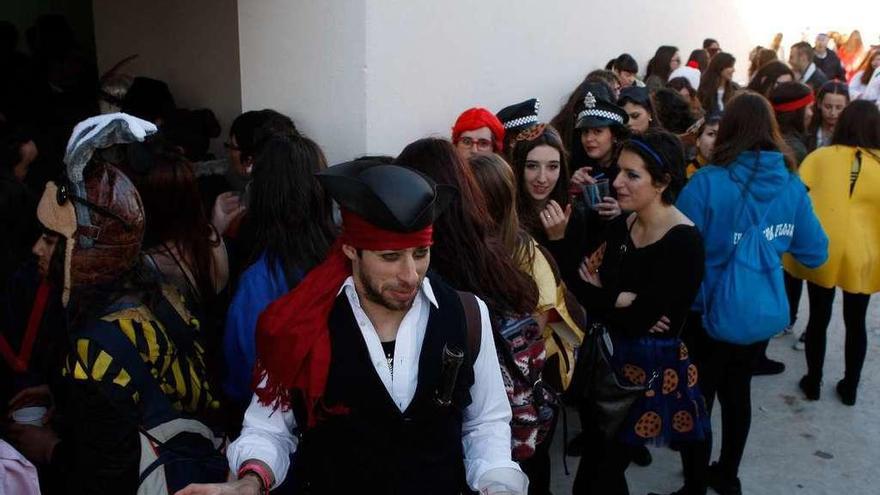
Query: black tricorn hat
(390, 197)
(599, 109)
(519, 116)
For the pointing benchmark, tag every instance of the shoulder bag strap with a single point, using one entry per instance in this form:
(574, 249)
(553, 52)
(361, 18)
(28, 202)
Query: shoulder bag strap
(474, 323)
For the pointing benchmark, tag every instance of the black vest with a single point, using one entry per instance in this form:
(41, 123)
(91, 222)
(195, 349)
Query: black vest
(363, 443)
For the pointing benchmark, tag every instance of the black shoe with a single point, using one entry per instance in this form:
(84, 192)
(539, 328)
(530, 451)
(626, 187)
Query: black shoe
(811, 388)
(846, 392)
(575, 447)
(680, 491)
(720, 483)
(641, 456)
(767, 366)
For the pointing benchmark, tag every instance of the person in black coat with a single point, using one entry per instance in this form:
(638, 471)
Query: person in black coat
(827, 60)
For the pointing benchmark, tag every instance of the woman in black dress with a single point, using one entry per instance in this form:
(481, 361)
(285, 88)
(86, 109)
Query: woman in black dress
(640, 284)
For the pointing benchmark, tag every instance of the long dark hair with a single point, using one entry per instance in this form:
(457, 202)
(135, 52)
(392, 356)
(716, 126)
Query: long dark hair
(175, 216)
(867, 67)
(790, 122)
(858, 125)
(465, 252)
(525, 205)
(748, 124)
(291, 215)
(659, 63)
(833, 88)
(673, 111)
(701, 57)
(765, 78)
(712, 81)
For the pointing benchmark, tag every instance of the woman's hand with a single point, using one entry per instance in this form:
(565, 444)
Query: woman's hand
(248, 485)
(555, 220)
(227, 207)
(662, 325)
(582, 177)
(589, 269)
(625, 299)
(589, 275)
(609, 208)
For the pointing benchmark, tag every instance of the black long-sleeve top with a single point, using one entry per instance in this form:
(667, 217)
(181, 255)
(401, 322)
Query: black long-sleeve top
(665, 276)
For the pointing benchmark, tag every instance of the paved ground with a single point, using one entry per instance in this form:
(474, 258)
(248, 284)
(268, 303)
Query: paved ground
(795, 446)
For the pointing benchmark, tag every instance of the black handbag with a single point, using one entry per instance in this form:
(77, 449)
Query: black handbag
(609, 397)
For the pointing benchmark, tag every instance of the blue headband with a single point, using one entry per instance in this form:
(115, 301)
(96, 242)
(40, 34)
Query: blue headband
(647, 149)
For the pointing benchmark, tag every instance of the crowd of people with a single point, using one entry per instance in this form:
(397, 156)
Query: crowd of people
(171, 322)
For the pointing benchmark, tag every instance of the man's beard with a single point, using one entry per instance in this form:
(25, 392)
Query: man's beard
(374, 294)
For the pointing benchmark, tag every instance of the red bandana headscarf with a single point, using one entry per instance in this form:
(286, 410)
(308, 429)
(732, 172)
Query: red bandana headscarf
(293, 340)
(475, 118)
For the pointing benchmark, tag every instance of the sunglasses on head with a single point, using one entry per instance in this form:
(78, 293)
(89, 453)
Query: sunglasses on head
(64, 194)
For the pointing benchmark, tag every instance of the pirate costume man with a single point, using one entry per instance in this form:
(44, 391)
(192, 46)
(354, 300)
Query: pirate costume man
(360, 417)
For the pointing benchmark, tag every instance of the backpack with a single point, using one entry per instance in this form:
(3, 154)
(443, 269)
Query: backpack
(748, 303)
(521, 353)
(175, 449)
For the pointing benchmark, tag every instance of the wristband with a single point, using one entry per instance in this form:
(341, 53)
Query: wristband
(260, 471)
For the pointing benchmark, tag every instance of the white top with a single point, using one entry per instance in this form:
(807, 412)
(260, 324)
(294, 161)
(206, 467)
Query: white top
(870, 91)
(692, 75)
(267, 434)
(811, 69)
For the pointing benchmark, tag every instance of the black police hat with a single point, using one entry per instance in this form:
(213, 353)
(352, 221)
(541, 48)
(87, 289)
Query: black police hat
(599, 108)
(520, 116)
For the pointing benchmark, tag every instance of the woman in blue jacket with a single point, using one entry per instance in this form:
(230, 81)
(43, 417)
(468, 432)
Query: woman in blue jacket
(293, 227)
(749, 177)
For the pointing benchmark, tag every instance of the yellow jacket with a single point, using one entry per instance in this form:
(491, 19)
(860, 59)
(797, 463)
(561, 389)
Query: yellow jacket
(851, 221)
(564, 331)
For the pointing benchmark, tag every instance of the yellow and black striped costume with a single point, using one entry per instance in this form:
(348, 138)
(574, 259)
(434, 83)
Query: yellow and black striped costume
(181, 376)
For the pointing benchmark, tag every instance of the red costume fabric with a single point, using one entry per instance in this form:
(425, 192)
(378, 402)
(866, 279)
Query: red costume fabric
(791, 106)
(293, 340)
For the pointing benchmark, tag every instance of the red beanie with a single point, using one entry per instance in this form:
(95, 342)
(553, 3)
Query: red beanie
(475, 118)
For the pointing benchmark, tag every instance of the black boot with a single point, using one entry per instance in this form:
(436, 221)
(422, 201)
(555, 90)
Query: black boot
(846, 392)
(811, 387)
(641, 456)
(722, 483)
(765, 366)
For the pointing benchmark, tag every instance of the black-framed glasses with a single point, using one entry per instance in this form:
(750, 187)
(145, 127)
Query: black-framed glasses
(63, 195)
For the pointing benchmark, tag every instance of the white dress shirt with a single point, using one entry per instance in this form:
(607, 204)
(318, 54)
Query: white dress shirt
(267, 434)
(811, 69)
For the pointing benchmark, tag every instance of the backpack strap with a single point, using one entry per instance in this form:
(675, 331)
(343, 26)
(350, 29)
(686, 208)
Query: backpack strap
(117, 345)
(474, 323)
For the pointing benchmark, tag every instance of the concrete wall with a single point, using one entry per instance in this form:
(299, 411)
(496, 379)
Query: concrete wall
(192, 45)
(307, 59)
(369, 76)
(427, 60)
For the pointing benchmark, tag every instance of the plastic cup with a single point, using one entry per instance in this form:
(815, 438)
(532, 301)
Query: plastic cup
(595, 193)
(32, 415)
